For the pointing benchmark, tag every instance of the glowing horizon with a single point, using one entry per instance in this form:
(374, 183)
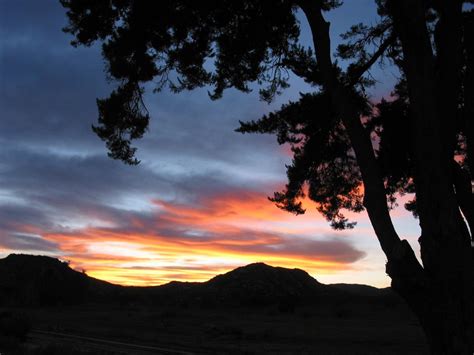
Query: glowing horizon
(198, 240)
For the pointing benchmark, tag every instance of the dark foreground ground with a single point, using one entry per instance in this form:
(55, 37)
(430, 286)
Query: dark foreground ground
(89, 329)
(48, 308)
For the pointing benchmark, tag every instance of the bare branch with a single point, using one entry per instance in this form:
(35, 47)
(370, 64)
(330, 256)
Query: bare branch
(359, 70)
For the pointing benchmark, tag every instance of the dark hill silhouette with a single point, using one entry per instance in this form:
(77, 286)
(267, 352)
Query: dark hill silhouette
(259, 284)
(27, 280)
(273, 279)
(40, 280)
(361, 290)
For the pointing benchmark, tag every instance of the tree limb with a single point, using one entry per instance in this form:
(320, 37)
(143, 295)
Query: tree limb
(374, 191)
(406, 272)
(359, 70)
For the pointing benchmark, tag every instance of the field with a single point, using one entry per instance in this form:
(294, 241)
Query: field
(381, 329)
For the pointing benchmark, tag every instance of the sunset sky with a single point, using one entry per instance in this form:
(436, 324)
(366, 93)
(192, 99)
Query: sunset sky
(197, 204)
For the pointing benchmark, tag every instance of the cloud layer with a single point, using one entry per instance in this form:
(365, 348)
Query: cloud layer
(196, 205)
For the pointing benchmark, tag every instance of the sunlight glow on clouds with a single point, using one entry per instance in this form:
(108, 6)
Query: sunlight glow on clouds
(199, 241)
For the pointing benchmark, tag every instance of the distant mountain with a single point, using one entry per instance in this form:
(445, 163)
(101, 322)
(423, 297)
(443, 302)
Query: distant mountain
(259, 283)
(360, 290)
(41, 281)
(273, 279)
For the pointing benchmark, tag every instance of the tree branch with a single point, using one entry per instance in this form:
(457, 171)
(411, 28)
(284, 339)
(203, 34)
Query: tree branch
(403, 267)
(321, 40)
(359, 70)
(374, 191)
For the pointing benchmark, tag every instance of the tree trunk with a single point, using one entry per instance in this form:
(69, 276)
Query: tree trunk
(445, 309)
(440, 293)
(468, 37)
(445, 241)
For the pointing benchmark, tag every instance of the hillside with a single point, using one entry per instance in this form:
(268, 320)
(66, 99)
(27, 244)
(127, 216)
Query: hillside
(254, 309)
(31, 280)
(27, 280)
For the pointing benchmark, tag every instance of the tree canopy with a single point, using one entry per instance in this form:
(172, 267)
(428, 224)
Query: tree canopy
(183, 45)
(348, 153)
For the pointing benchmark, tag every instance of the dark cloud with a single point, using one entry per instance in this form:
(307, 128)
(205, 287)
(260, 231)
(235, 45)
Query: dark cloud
(48, 96)
(33, 18)
(45, 82)
(54, 193)
(334, 250)
(26, 242)
(13, 217)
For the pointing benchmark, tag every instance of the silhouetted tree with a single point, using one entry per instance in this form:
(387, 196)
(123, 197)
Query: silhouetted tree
(348, 153)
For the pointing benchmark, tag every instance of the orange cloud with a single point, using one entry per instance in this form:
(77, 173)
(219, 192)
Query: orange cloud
(193, 242)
